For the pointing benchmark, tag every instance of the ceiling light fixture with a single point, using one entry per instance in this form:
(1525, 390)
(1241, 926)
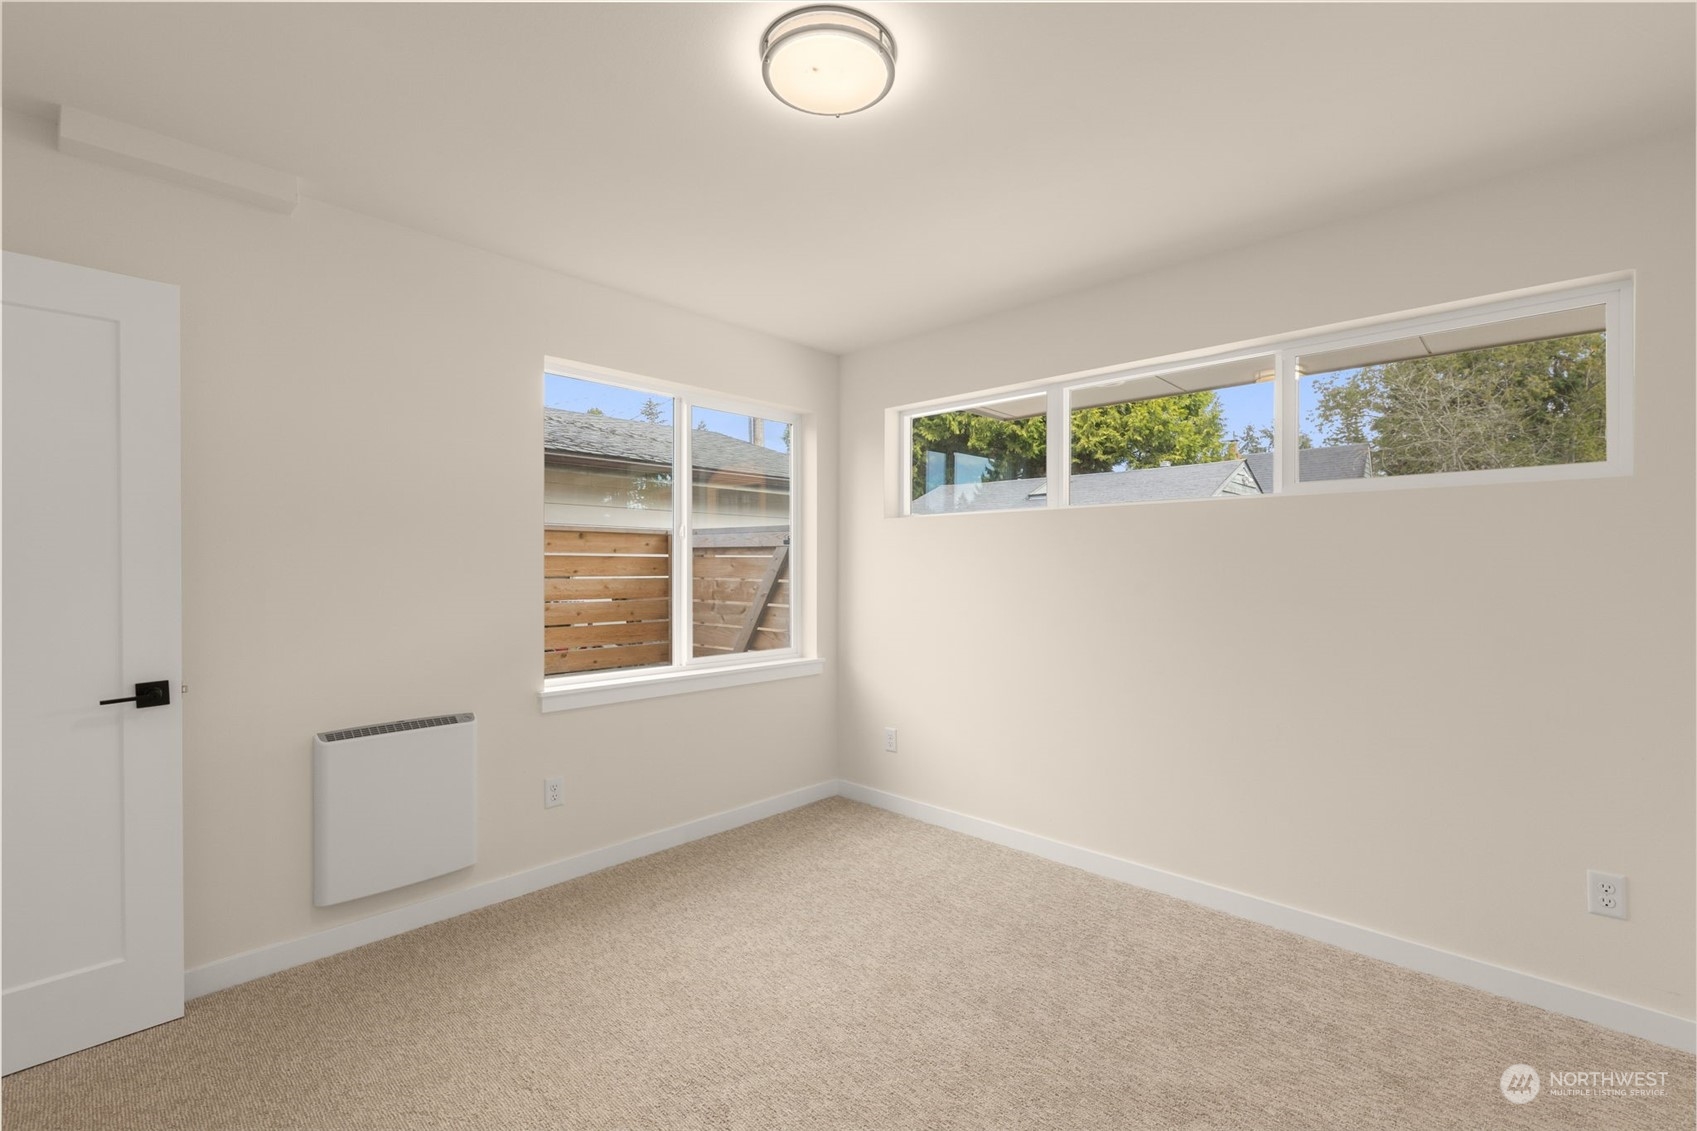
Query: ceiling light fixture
(827, 59)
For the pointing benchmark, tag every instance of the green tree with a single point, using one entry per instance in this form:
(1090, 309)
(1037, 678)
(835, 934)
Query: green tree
(650, 411)
(1016, 449)
(1522, 405)
(1249, 440)
(1186, 428)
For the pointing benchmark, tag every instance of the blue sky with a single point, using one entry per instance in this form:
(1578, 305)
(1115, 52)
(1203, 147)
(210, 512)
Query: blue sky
(1247, 404)
(1253, 404)
(579, 395)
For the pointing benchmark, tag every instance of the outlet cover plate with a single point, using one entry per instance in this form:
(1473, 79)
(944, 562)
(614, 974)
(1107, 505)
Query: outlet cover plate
(553, 792)
(1605, 894)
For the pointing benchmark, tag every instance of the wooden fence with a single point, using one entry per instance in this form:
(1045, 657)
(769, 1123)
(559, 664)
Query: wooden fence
(741, 580)
(607, 595)
(606, 599)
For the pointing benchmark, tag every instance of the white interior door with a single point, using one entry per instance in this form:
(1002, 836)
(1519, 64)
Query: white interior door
(91, 928)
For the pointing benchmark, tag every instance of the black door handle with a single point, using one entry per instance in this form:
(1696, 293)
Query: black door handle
(155, 694)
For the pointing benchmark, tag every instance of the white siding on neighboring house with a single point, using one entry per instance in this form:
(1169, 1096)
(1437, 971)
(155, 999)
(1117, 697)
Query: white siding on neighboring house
(574, 496)
(630, 500)
(1240, 483)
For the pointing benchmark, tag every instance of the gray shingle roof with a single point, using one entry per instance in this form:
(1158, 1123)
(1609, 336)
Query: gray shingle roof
(1343, 461)
(566, 433)
(1006, 494)
(1148, 484)
(1249, 476)
(1186, 481)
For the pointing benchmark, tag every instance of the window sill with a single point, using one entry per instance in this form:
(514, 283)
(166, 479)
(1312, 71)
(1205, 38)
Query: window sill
(649, 685)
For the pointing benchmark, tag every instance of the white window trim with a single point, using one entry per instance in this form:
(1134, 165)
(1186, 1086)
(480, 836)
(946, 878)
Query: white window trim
(1614, 292)
(687, 672)
(648, 683)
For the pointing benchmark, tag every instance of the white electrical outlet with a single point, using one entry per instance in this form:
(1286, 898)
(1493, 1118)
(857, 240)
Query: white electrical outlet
(1605, 894)
(553, 792)
(889, 740)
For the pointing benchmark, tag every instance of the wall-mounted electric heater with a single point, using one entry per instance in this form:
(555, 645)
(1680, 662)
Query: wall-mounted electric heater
(392, 804)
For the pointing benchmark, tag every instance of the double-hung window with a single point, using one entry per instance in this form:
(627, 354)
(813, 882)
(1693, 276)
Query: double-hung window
(669, 523)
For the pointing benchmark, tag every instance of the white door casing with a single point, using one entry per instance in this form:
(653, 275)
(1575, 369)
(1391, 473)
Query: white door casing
(92, 921)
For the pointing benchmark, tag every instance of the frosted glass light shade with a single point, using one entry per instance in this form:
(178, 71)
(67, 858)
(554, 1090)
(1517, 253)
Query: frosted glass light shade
(828, 60)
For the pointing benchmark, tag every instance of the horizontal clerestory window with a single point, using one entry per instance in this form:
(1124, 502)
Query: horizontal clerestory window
(1516, 393)
(1536, 386)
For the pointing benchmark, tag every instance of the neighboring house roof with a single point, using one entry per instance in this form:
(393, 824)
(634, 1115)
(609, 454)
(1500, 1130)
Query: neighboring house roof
(1343, 461)
(1250, 476)
(1005, 494)
(566, 433)
(1185, 481)
(1148, 484)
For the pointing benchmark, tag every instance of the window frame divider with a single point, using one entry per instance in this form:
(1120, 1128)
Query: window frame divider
(1287, 424)
(683, 502)
(1058, 452)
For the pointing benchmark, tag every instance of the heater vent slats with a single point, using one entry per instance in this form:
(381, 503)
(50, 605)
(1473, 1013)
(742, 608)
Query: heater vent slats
(395, 727)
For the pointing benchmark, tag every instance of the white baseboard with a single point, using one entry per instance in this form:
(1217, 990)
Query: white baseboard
(1624, 1017)
(238, 968)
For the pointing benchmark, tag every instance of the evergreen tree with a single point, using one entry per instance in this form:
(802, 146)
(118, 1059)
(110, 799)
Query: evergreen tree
(1522, 405)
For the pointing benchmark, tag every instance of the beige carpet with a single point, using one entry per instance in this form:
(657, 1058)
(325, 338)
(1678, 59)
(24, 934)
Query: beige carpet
(840, 967)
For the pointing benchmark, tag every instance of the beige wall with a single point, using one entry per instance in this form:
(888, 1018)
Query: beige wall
(381, 390)
(1426, 712)
(1079, 674)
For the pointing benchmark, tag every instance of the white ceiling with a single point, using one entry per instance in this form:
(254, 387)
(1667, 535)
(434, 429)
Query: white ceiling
(1026, 149)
